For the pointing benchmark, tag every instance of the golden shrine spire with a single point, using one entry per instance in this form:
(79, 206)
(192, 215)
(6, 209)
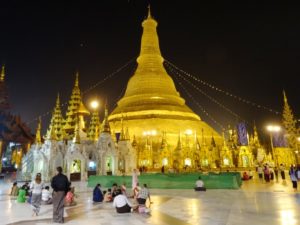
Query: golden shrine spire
(38, 139)
(73, 106)
(55, 131)
(2, 76)
(284, 97)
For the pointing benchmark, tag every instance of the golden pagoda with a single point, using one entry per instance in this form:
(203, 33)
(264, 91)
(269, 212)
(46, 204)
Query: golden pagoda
(151, 104)
(74, 103)
(55, 131)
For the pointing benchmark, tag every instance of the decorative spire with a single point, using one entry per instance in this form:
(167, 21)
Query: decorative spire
(38, 139)
(284, 97)
(149, 12)
(163, 141)
(94, 128)
(2, 76)
(105, 123)
(73, 106)
(55, 130)
(134, 142)
(77, 80)
(289, 124)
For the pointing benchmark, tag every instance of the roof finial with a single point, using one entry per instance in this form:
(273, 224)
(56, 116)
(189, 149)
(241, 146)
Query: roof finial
(284, 97)
(57, 100)
(77, 78)
(2, 76)
(149, 12)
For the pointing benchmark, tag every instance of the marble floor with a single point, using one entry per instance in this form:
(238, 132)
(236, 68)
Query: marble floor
(255, 203)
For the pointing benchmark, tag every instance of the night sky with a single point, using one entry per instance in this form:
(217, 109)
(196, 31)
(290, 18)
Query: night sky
(250, 50)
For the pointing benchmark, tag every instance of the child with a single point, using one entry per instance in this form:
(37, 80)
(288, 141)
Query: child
(69, 199)
(108, 196)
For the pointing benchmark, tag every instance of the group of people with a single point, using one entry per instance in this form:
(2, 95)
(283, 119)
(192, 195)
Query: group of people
(37, 194)
(119, 196)
(269, 173)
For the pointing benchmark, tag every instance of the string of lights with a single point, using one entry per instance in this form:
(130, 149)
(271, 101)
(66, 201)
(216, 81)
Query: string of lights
(206, 95)
(241, 99)
(109, 76)
(200, 106)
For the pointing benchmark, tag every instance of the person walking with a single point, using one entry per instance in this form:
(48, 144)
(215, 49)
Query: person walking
(282, 173)
(293, 176)
(36, 188)
(60, 185)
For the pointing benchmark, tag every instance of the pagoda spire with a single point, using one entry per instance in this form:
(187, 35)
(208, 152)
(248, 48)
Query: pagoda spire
(38, 139)
(73, 106)
(105, 123)
(2, 76)
(289, 123)
(55, 129)
(94, 127)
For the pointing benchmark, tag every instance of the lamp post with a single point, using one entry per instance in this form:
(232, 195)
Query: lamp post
(273, 129)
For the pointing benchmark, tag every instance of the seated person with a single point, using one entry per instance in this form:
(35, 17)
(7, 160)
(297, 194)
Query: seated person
(108, 196)
(97, 194)
(114, 190)
(123, 189)
(142, 195)
(26, 187)
(14, 189)
(199, 185)
(21, 196)
(121, 203)
(69, 199)
(46, 196)
(245, 176)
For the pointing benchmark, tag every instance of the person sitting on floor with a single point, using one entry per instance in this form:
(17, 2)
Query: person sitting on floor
(245, 176)
(199, 185)
(46, 196)
(97, 194)
(69, 199)
(21, 196)
(121, 203)
(14, 189)
(26, 187)
(108, 196)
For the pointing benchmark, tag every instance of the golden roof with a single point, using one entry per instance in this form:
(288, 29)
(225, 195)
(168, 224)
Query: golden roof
(82, 109)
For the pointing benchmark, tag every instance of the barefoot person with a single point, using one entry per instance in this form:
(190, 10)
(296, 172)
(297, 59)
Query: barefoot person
(36, 188)
(60, 185)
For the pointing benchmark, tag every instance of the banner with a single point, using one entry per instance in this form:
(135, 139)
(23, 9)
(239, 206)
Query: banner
(279, 139)
(242, 134)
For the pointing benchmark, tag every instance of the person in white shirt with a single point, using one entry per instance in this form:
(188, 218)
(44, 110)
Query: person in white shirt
(36, 188)
(121, 203)
(199, 185)
(46, 196)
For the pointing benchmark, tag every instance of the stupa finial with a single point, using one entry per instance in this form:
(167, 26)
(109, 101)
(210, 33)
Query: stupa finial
(77, 79)
(149, 12)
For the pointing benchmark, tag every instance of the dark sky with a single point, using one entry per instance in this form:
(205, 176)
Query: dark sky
(251, 50)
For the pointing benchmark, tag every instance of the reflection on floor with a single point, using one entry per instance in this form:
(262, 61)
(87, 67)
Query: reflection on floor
(255, 203)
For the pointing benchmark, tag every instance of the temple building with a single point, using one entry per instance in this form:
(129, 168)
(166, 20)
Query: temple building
(154, 112)
(150, 127)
